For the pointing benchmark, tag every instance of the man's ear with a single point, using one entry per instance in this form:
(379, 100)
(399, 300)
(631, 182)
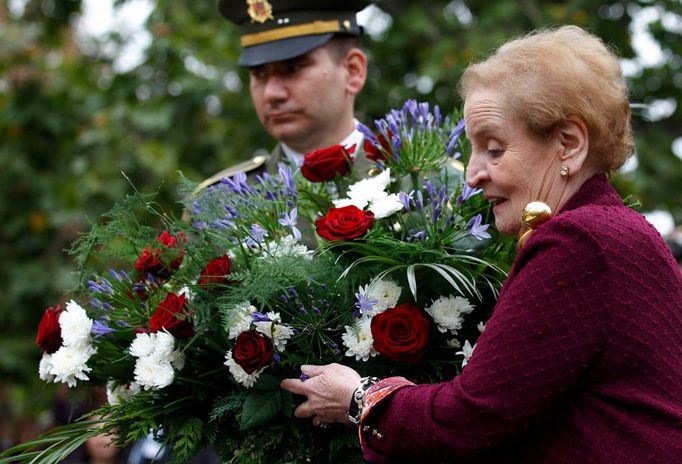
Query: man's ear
(573, 136)
(355, 63)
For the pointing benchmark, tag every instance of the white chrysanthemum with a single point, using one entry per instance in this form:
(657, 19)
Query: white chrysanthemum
(287, 246)
(386, 206)
(45, 367)
(359, 341)
(239, 374)
(189, 294)
(240, 319)
(281, 333)
(385, 292)
(75, 326)
(178, 360)
(153, 374)
(143, 345)
(447, 312)
(365, 191)
(274, 329)
(343, 202)
(121, 393)
(164, 344)
(466, 352)
(69, 363)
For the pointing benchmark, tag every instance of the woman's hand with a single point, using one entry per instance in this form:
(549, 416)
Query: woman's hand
(329, 390)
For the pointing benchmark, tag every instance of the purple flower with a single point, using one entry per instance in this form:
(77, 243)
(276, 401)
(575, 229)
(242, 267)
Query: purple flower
(419, 202)
(260, 317)
(467, 192)
(99, 328)
(366, 131)
(406, 199)
(395, 140)
(363, 303)
(258, 233)
(289, 220)
(476, 229)
(304, 377)
(288, 179)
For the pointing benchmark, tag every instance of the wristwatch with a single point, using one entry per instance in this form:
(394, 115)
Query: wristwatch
(357, 401)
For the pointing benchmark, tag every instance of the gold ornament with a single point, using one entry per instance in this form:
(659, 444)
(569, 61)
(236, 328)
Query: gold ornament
(536, 213)
(259, 10)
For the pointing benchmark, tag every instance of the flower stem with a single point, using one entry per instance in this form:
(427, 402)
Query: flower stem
(414, 176)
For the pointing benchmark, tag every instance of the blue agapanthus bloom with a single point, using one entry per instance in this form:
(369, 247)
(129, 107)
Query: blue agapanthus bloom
(476, 229)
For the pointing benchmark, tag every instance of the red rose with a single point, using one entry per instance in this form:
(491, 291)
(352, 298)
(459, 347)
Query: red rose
(173, 243)
(344, 223)
(160, 261)
(49, 337)
(149, 261)
(166, 317)
(252, 350)
(323, 165)
(401, 333)
(377, 154)
(215, 271)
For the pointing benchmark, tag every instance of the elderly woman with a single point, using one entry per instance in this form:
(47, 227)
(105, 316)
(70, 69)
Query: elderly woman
(581, 360)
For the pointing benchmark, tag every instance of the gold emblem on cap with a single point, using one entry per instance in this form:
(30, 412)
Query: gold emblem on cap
(259, 10)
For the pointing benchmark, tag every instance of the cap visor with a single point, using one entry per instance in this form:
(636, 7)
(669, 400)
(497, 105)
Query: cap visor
(281, 50)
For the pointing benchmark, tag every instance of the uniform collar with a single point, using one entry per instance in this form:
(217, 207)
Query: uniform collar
(354, 138)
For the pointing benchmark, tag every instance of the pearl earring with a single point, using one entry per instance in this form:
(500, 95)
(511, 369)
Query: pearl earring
(565, 170)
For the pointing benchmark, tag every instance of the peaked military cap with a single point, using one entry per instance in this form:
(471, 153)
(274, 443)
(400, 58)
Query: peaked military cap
(276, 30)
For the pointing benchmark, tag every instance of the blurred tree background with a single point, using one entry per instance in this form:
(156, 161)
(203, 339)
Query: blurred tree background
(77, 109)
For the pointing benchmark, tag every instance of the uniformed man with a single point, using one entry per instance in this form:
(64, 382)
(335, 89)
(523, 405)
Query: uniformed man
(306, 69)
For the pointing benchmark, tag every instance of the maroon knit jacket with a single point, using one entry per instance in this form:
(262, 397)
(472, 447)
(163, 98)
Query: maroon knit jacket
(580, 362)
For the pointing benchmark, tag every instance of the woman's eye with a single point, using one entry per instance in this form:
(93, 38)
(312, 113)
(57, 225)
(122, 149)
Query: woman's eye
(495, 152)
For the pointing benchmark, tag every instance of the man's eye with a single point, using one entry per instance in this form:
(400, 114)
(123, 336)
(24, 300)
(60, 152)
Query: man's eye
(293, 68)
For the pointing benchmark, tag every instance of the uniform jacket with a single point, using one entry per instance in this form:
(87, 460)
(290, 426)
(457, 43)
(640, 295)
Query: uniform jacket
(580, 362)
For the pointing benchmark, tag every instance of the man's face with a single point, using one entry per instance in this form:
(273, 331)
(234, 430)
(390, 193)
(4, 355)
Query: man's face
(302, 100)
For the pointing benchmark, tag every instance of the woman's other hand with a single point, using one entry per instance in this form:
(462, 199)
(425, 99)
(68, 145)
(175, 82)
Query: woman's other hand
(328, 390)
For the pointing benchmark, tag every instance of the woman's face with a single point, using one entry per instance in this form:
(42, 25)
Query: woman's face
(512, 166)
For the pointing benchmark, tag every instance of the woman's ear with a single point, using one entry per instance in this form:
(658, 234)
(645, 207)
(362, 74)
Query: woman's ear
(355, 63)
(573, 136)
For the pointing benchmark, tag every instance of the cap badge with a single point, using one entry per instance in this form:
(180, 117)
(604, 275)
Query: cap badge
(259, 10)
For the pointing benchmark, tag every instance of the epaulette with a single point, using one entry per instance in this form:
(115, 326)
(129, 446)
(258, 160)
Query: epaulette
(247, 166)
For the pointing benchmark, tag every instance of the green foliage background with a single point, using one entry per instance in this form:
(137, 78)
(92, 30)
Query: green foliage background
(69, 124)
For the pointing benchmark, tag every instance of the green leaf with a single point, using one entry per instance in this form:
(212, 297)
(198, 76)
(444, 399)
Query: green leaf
(260, 407)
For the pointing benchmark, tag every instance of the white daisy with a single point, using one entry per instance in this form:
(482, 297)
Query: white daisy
(365, 191)
(121, 393)
(386, 206)
(359, 341)
(288, 246)
(69, 364)
(153, 374)
(447, 312)
(467, 351)
(164, 344)
(274, 329)
(75, 326)
(240, 319)
(45, 367)
(239, 374)
(143, 345)
(385, 292)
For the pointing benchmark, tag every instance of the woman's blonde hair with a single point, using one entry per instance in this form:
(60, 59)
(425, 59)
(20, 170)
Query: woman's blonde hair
(551, 75)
